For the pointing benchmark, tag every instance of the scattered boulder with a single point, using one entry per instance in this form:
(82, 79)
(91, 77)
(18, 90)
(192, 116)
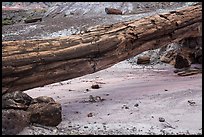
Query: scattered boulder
(181, 62)
(16, 100)
(113, 11)
(143, 60)
(47, 114)
(19, 110)
(14, 121)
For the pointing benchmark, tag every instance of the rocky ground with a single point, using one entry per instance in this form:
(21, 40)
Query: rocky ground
(131, 98)
(63, 19)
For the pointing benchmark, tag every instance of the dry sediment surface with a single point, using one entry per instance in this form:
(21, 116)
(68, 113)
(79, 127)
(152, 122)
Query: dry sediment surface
(134, 102)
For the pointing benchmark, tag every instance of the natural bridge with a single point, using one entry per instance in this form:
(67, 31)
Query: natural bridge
(28, 64)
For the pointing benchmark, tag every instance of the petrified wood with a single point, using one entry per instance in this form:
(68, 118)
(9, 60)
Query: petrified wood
(28, 64)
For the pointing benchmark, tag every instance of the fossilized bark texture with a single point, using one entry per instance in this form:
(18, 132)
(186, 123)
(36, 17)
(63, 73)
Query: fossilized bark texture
(32, 63)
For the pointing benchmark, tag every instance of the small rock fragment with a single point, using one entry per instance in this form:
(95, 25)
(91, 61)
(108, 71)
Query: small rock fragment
(85, 126)
(161, 119)
(95, 86)
(125, 107)
(95, 99)
(191, 102)
(90, 115)
(136, 105)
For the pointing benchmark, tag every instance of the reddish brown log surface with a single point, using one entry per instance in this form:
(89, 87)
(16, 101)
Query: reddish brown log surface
(33, 63)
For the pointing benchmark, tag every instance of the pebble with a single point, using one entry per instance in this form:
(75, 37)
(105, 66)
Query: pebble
(90, 115)
(95, 86)
(191, 102)
(136, 105)
(161, 119)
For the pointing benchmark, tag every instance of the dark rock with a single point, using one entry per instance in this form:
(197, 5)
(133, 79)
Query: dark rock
(189, 42)
(191, 102)
(198, 55)
(192, 42)
(161, 119)
(14, 121)
(143, 60)
(125, 107)
(95, 86)
(4, 89)
(200, 60)
(181, 62)
(192, 48)
(113, 11)
(47, 114)
(90, 115)
(95, 98)
(136, 105)
(16, 100)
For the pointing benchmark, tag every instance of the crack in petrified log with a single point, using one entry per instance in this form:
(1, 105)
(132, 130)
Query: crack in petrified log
(32, 63)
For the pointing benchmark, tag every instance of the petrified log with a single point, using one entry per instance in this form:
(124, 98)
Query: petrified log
(31, 20)
(189, 72)
(143, 60)
(113, 11)
(28, 64)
